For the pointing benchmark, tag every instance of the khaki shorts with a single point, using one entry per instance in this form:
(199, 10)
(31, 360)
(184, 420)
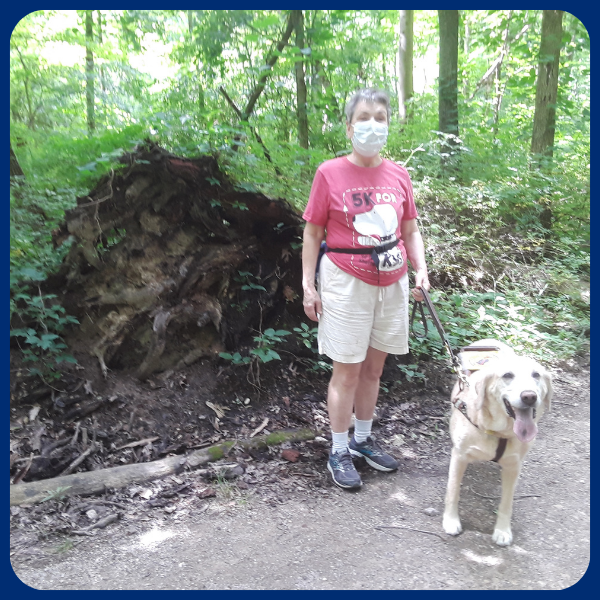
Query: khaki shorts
(357, 315)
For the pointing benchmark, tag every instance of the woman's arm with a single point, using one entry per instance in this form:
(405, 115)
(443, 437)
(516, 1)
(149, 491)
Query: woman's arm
(313, 236)
(415, 250)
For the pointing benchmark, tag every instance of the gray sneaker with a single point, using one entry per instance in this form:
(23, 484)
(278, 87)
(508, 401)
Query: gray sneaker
(343, 471)
(374, 454)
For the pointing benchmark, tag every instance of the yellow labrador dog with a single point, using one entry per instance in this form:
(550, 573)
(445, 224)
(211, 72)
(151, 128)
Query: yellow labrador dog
(504, 400)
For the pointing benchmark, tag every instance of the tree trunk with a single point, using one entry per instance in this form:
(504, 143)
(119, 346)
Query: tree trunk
(301, 102)
(15, 167)
(100, 41)
(405, 62)
(500, 87)
(448, 87)
(190, 20)
(544, 120)
(89, 70)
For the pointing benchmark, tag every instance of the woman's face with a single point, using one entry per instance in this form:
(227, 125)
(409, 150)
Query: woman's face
(365, 111)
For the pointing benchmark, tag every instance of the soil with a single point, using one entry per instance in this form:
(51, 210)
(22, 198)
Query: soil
(272, 519)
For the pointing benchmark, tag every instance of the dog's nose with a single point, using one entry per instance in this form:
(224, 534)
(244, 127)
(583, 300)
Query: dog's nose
(528, 397)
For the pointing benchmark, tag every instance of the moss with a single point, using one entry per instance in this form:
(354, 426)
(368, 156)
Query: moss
(276, 438)
(216, 452)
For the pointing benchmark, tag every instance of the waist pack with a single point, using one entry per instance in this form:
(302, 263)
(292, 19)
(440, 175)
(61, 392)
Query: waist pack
(374, 251)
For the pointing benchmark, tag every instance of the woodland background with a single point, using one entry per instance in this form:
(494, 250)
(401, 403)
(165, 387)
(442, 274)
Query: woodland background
(491, 118)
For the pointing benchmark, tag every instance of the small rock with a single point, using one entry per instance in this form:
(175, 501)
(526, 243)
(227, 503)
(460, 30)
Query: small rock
(232, 472)
(431, 512)
(170, 509)
(91, 514)
(207, 492)
(290, 455)
(320, 439)
(145, 494)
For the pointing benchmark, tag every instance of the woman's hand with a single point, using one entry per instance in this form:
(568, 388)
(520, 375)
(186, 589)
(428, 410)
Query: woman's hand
(313, 235)
(421, 281)
(312, 304)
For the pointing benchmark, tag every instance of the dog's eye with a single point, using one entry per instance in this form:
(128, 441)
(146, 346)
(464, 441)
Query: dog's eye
(508, 375)
(535, 375)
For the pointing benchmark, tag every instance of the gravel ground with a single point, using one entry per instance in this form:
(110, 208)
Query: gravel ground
(386, 536)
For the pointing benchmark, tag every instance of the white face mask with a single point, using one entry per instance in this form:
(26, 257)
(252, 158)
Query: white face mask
(369, 137)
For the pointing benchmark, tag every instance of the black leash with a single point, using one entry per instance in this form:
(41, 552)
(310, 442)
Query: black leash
(440, 329)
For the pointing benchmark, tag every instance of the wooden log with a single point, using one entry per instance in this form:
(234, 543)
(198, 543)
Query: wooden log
(93, 482)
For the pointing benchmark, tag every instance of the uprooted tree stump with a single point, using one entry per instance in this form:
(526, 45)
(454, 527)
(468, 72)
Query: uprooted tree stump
(171, 262)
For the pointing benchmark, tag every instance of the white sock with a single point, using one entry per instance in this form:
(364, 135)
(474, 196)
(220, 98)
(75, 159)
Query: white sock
(362, 430)
(340, 442)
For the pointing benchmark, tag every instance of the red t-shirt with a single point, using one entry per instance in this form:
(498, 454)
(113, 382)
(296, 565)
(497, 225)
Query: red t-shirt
(362, 207)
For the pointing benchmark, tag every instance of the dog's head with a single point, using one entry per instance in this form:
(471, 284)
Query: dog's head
(522, 387)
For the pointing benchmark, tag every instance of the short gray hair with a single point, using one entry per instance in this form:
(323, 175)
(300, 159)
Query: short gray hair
(370, 95)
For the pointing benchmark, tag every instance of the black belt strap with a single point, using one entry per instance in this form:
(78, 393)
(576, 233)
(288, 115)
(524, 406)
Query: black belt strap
(374, 251)
(364, 250)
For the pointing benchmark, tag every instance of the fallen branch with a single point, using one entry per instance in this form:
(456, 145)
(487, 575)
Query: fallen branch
(94, 482)
(498, 497)
(383, 527)
(78, 460)
(138, 443)
(260, 427)
(101, 524)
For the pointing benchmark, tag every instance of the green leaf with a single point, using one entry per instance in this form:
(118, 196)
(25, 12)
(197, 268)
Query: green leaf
(31, 274)
(91, 166)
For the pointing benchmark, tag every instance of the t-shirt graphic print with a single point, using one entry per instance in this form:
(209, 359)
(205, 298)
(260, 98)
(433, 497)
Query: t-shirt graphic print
(363, 207)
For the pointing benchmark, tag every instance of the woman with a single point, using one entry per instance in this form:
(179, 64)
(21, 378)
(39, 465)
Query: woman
(365, 205)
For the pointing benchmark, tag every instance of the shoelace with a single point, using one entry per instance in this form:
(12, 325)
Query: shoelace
(345, 461)
(372, 445)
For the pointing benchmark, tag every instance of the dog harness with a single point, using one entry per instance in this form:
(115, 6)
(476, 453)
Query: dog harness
(478, 356)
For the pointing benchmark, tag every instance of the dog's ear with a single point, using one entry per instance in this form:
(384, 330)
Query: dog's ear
(481, 388)
(547, 399)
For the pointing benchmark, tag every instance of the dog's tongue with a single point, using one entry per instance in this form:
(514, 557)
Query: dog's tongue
(524, 427)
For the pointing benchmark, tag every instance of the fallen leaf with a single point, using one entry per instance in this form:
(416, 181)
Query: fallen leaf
(289, 294)
(219, 410)
(290, 455)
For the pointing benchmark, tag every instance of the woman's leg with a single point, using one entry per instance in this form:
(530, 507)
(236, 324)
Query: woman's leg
(365, 399)
(341, 393)
(367, 390)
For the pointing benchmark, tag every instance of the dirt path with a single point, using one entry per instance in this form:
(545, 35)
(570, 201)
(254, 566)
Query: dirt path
(382, 537)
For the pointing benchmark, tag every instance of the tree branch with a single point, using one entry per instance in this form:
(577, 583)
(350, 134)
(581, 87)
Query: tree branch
(260, 86)
(238, 112)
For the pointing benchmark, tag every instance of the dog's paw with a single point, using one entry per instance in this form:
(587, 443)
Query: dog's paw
(502, 537)
(451, 525)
